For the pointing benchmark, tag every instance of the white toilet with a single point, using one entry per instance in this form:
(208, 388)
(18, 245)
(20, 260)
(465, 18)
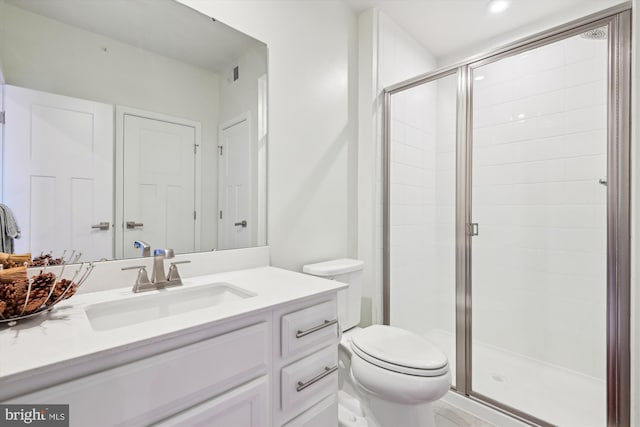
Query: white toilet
(389, 377)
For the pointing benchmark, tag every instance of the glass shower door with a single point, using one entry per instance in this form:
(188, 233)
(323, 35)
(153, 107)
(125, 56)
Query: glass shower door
(538, 261)
(421, 191)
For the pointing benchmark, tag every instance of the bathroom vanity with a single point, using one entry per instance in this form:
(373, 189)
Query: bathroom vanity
(250, 347)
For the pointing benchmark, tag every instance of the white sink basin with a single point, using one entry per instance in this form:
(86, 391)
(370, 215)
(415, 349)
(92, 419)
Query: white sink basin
(159, 304)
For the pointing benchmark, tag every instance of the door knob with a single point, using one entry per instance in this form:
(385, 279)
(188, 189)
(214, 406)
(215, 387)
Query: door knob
(242, 223)
(104, 225)
(132, 224)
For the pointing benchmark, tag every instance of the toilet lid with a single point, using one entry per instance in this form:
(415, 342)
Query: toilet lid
(400, 351)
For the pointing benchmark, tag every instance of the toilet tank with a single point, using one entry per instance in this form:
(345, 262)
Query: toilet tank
(347, 271)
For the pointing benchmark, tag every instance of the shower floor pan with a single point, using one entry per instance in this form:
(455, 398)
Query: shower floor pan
(557, 395)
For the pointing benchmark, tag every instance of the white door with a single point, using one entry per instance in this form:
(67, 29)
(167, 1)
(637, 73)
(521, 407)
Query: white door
(58, 172)
(158, 184)
(234, 195)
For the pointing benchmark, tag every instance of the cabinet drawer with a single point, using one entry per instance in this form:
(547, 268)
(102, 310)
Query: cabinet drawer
(308, 380)
(244, 406)
(310, 327)
(150, 389)
(323, 414)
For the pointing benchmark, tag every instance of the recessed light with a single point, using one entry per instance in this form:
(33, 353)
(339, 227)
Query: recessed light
(478, 78)
(498, 6)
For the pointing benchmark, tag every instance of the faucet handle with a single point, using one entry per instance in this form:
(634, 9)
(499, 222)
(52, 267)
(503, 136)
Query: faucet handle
(173, 270)
(142, 279)
(146, 248)
(167, 253)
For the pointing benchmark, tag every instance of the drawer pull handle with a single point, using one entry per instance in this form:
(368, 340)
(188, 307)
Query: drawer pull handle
(327, 371)
(326, 324)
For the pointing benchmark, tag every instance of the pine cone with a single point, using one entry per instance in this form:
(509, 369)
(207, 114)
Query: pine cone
(47, 259)
(3, 307)
(40, 288)
(61, 286)
(13, 295)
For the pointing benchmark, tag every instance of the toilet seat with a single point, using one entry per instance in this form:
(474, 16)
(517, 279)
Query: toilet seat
(400, 351)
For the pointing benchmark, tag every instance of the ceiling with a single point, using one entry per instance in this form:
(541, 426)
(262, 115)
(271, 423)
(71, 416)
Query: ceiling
(450, 27)
(161, 26)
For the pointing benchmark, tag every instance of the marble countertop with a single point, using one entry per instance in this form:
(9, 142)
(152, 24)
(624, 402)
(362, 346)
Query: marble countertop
(50, 341)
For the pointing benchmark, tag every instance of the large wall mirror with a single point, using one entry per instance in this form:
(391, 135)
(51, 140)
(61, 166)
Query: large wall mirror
(130, 121)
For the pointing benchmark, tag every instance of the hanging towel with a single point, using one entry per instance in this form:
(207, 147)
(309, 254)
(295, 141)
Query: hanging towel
(9, 229)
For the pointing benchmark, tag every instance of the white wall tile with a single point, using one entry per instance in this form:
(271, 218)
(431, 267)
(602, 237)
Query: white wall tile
(491, 95)
(548, 57)
(588, 192)
(586, 95)
(550, 80)
(398, 131)
(415, 137)
(538, 105)
(585, 119)
(585, 143)
(587, 71)
(524, 87)
(579, 49)
(589, 168)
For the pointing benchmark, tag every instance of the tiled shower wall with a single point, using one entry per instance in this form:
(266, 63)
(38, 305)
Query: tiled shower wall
(413, 237)
(539, 150)
(445, 204)
(423, 139)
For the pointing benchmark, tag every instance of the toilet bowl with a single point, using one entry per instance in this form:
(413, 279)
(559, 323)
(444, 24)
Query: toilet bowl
(388, 376)
(394, 374)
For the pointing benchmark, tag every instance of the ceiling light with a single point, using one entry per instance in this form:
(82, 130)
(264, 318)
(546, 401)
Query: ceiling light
(498, 6)
(478, 78)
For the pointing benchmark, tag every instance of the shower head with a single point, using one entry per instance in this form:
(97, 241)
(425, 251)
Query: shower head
(595, 34)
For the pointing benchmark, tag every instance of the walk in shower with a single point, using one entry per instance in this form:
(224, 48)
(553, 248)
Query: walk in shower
(506, 222)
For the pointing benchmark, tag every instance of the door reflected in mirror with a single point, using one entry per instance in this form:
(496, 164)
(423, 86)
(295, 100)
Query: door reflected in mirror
(131, 120)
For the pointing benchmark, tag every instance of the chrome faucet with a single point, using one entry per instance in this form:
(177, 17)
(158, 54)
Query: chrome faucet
(158, 278)
(146, 248)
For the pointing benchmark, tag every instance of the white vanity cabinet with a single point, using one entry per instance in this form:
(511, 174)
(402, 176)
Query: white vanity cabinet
(306, 363)
(218, 381)
(246, 406)
(261, 361)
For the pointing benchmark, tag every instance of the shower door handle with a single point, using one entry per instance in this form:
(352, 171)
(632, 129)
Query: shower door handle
(474, 229)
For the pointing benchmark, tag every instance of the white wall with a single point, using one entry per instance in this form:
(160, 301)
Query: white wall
(312, 184)
(388, 55)
(70, 61)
